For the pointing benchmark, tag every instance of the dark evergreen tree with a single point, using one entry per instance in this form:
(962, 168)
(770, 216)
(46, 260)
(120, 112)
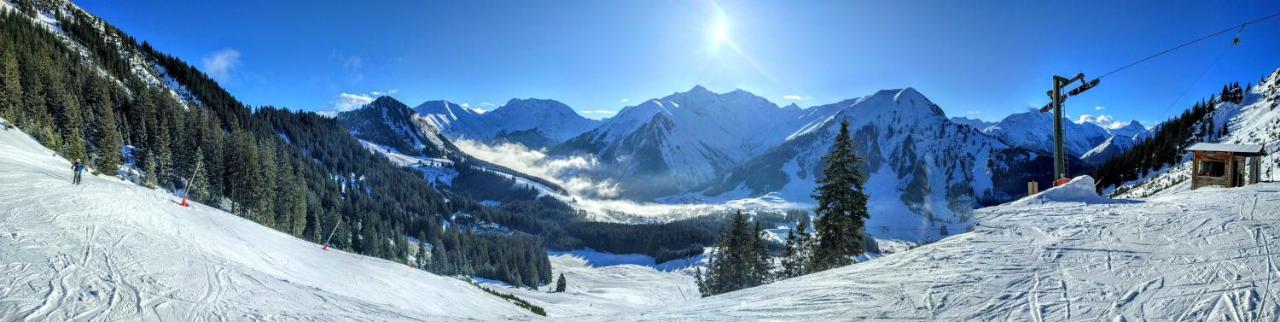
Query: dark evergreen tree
(560, 284)
(842, 207)
(67, 116)
(10, 85)
(104, 131)
(796, 252)
(736, 262)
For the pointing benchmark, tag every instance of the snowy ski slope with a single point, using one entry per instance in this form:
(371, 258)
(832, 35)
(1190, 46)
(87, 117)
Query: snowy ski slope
(1203, 255)
(108, 250)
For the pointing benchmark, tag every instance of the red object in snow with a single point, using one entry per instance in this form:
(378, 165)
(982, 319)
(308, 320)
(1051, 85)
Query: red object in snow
(325, 248)
(1061, 182)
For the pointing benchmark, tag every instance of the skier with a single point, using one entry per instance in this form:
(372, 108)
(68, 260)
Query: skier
(78, 168)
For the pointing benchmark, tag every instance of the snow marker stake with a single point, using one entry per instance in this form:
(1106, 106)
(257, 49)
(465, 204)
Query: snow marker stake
(334, 230)
(187, 190)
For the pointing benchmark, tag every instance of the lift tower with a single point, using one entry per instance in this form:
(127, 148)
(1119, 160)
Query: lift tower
(1057, 100)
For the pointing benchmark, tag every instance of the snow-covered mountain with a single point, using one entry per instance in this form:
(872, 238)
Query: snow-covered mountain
(924, 171)
(1133, 130)
(451, 119)
(1034, 130)
(387, 121)
(972, 122)
(1113, 146)
(536, 123)
(409, 139)
(681, 141)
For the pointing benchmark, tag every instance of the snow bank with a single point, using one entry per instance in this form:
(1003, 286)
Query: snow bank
(110, 250)
(1080, 189)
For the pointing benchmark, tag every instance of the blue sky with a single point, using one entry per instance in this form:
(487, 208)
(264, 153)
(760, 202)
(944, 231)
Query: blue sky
(983, 59)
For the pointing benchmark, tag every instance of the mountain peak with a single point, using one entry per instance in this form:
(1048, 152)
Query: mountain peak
(387, 101)
(535, 103)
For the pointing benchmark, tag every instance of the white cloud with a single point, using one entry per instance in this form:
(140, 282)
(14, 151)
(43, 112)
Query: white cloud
(625, 100)
(972, 112)
(1102, 120)
(347, 101)
(384, 93)
(1100, 108)
(598, 196)
(487, 104)
(465, 105)
(568, 173)
(220, 64)
(795, 97)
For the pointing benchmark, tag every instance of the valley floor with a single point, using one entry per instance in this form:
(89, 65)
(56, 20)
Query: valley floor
(1208, 254)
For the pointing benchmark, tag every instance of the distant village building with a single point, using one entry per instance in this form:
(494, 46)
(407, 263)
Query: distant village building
(1225, 165)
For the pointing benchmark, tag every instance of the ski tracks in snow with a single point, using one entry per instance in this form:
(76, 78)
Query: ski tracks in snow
(1195, 255)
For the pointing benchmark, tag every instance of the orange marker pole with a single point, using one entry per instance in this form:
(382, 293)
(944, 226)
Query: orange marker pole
(186, 191)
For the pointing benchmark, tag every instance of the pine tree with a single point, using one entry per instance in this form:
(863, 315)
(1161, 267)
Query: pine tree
(10, 86)
(67, 117)
(159, 139)
(34, 106)
(739, 261)
(421, 257)
(795, 256)
(842, 207)
(560, 284)
(761, 262)
(104, 131)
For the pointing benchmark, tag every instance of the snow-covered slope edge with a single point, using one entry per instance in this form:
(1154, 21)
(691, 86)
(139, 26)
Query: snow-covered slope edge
(1254, 121)
(116, 251)
(1203, 255)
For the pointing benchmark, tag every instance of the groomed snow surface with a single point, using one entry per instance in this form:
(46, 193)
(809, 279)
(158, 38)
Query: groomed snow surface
(107, 250)
(1207, 254)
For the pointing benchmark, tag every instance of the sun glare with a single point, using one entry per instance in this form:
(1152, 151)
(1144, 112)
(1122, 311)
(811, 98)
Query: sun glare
(721, 32)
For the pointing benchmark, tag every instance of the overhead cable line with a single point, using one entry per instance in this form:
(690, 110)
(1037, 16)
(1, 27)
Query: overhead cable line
(1237, 28)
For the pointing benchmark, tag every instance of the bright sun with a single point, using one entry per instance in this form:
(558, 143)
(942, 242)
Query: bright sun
(721, 31)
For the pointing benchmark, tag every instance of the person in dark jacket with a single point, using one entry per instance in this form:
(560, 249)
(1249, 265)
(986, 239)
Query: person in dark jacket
(78, 168)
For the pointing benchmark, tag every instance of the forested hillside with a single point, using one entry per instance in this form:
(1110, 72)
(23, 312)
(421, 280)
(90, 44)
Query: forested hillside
(1166, 144)
(88, 91)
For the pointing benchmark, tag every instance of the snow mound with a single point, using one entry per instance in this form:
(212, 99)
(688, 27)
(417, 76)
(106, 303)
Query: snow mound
(1080, 189)
(111, 250)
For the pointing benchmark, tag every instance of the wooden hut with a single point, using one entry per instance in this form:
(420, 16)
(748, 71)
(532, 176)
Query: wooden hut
(1226, 165)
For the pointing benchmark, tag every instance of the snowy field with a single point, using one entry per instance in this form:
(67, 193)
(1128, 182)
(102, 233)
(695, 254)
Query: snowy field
(108, 251)
(1197, 255)
(598, 289)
